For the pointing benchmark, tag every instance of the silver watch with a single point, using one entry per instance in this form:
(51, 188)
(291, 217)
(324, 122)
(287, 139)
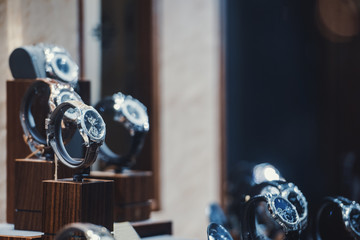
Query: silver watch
(88, 230)
(132, 114)
(56, 93)
(350, 216)
(293, 194)
(59, 65)
(90, 125)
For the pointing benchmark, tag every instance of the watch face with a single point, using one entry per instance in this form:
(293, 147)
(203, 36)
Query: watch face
(67, 95)
(355, 220)
(64, 67)
(285, 210)
(134, 112)
(94, 124)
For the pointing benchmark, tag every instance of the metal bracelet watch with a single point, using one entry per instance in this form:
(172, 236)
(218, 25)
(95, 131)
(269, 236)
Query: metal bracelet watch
(132, 114)
(90, 125)
(90, 231)
(280, 209)
(54, 93)
(59, 65)
(289, 191)
(218, 232)
(338, 218)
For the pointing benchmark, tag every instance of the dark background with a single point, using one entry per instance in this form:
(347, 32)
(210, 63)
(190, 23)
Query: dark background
(292, 98)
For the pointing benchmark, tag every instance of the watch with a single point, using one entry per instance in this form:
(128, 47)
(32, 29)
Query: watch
(217, 232)
(338, 218)
(53, 93)
(289, 191)
(280, 209)
(91, 127)
(59, 65)
(88, 230)
(132, 114)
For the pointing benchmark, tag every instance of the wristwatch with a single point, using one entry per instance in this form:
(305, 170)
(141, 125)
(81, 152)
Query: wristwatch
(217, 232)
(338, 218)
(88, 230)
(91, 127)
(280, 209)
(59, 65)
(54, 92)
(132, 114)
(288, 191)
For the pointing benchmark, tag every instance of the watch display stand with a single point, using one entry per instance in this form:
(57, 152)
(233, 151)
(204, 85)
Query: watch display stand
(66, 201)
(133, 194)
(16, 148)
(29, 174)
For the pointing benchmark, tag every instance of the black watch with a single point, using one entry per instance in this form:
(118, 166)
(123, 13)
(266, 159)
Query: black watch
(132, 114)
(280, 209)
(289, 191)
(52, 93)
(338, 218)
(90, 125)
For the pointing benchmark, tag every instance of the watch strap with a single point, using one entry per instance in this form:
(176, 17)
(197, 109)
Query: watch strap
(128, 159)
(56, 141)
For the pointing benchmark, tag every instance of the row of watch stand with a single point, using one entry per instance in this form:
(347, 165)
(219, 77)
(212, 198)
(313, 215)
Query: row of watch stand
(38, 202)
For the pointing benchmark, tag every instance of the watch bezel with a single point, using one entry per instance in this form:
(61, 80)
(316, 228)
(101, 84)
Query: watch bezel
(140, 125)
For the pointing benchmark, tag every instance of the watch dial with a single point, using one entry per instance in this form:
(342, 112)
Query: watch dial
(134, 112)
(94, 124)
(64, 67)
(285, 210)
(355, 220)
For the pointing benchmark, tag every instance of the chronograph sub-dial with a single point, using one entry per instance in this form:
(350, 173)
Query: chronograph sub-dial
(91, 127)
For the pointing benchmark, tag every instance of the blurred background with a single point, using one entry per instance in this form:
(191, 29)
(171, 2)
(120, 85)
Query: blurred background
(228, 85)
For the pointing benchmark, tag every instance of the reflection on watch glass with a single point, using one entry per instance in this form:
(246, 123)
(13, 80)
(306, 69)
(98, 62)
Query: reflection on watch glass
(285, 210)
(355, 220)
(94, 124)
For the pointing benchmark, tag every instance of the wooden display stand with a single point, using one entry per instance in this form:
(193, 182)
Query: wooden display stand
(66, 201)
(133, 194)
(15, 146)
(29, 174)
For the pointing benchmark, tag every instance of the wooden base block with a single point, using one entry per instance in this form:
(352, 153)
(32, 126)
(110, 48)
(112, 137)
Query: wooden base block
(133, 192)
(7, 232)
(29, 174)
(65, 201)
(132, 212)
